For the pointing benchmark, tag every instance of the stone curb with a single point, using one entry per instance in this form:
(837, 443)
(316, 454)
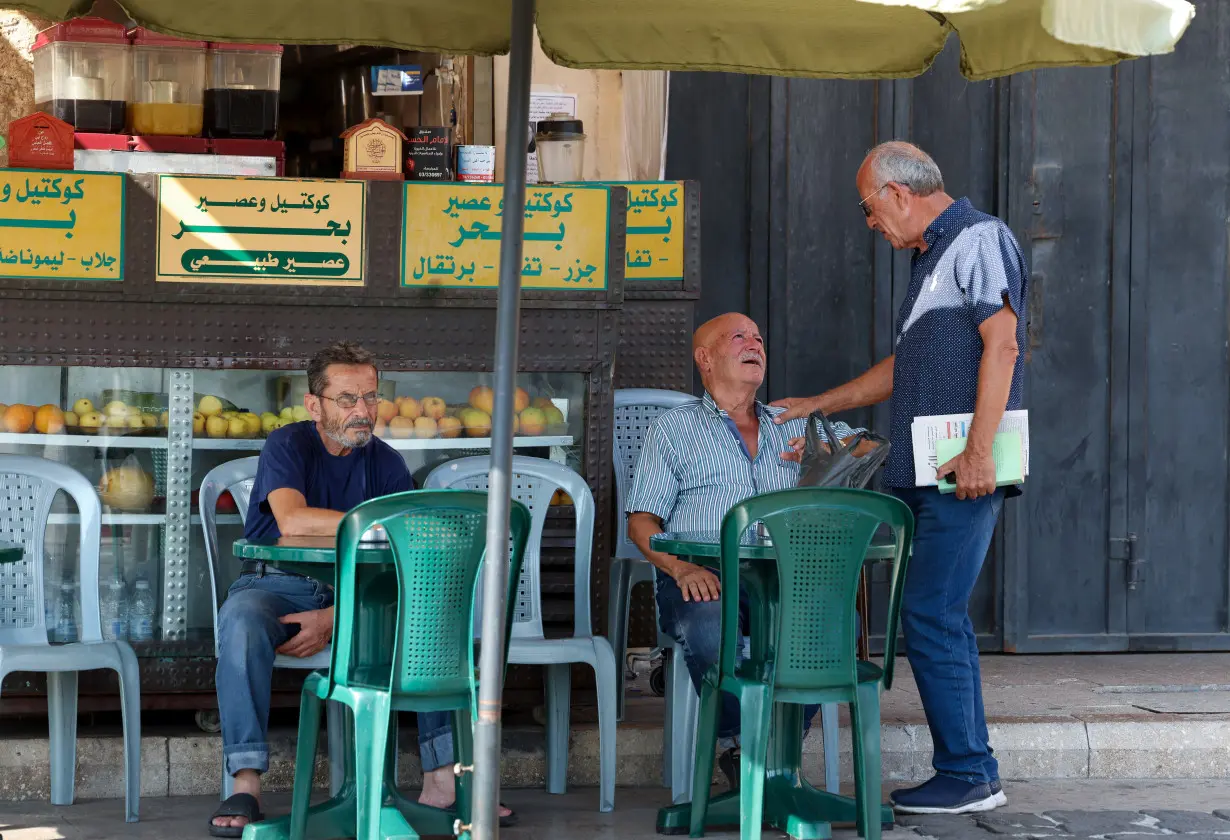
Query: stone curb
(190, 764)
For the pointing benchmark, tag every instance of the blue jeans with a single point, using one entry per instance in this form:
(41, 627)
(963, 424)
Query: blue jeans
(249, 634)
(697, 627)
(951, 539)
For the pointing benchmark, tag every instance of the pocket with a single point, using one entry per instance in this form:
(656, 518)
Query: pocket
(241, 583)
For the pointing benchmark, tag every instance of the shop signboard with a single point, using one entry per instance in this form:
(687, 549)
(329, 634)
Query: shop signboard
(451, 236)
(260, 231)
(655, 231)
(61, 225)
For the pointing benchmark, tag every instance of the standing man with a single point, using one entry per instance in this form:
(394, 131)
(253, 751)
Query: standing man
(959, 340)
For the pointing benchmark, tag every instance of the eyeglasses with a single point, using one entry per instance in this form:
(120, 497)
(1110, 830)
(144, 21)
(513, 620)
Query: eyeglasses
(350, 400)
(863, 204)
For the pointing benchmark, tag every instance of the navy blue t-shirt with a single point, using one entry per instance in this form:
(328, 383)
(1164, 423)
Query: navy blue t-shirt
(295, 457)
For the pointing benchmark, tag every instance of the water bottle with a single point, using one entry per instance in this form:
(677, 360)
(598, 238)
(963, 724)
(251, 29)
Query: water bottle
(141, 613)
(65, 622)
(114, 612)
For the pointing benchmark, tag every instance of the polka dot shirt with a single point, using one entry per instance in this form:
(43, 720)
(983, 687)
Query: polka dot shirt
(971, 264)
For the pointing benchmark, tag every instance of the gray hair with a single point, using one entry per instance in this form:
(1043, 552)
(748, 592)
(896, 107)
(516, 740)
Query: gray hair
(904, 163)
(338, 353)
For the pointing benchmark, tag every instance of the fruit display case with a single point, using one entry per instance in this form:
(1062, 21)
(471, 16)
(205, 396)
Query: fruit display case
(124, 428)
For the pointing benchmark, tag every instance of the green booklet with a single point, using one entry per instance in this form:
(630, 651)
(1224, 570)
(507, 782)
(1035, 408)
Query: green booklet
(1005, 449)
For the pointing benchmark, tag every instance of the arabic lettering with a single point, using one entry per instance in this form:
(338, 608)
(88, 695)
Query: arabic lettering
(652, 230)
(644, 259)
(300, 263)
(331, 229)
(50, 224)
(310, 202)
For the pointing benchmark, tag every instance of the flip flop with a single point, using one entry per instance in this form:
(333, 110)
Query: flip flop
(238, 805)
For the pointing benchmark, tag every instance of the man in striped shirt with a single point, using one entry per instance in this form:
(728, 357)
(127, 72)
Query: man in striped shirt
(698, 461)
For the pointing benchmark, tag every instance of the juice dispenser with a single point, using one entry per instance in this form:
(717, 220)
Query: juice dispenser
(168, 82)
(81, 74)
(241, 99)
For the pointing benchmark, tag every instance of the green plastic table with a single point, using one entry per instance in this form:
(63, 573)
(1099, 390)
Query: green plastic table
(316, 557)
(10, 553)
(810, 811)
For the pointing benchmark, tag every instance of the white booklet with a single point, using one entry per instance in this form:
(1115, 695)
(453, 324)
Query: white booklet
(925, 431)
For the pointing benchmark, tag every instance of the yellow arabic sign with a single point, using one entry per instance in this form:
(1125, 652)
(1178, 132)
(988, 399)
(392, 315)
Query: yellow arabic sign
(655, 231)
(451, 236)
(260, 231)
(61, 225)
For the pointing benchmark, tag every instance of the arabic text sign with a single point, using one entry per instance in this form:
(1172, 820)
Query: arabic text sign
(61, 225)
(655, 231)
(452, 236)
(260, 231)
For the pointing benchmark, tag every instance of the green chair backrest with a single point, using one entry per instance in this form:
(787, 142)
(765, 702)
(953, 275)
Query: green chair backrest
(438, 538)
(821, 536)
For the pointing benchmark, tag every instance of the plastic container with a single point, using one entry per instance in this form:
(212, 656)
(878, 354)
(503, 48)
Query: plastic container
(81, 74)
(560, 141)
(241, 98)
(113, 610)
(168, 84)
(65, 627)
(141, 613)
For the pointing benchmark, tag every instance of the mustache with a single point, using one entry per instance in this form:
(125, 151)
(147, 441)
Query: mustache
(358, 423)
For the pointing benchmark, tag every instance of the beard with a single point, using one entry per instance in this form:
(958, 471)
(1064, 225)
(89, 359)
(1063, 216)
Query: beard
(353, 433)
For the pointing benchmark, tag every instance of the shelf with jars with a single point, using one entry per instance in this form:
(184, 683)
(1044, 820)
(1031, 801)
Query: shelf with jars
(146, 437)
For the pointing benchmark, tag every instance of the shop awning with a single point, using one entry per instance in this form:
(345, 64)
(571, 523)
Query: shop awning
(848, 39)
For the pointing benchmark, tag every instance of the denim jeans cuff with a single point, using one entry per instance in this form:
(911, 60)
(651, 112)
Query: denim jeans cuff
(436, 751)
(246, 757)
(968, 778)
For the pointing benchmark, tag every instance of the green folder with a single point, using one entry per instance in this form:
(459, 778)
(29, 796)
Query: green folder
(1006, 450)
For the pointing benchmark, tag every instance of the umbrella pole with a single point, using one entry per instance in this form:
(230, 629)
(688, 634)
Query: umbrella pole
(485, 814)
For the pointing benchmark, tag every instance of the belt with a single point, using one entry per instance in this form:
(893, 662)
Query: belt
(258, 568)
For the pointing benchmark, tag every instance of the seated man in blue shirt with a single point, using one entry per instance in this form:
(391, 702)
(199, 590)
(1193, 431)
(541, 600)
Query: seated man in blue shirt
(309, 475)
(698, 461)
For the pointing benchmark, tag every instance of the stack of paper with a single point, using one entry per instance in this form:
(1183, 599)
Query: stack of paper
(926, 432)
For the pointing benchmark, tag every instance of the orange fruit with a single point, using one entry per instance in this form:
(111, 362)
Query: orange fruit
(49, 420)
(18, 419)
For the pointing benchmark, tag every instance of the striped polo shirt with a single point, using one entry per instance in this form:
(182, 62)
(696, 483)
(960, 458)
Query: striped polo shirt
(694, 466)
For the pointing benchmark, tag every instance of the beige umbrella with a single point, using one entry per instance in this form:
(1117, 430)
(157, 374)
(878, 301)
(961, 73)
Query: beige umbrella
(847, 39)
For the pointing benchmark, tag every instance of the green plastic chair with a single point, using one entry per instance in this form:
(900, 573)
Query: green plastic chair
(802, 649)
(438, 538)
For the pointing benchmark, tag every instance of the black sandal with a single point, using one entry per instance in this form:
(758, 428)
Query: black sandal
(238, 805)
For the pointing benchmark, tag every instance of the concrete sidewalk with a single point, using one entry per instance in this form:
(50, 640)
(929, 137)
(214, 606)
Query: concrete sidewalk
(1156, 716)
(1053, 810)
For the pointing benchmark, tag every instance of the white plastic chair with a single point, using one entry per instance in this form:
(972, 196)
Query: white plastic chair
(237, 478)
(27, 487)
(534, 482)
(635, 411)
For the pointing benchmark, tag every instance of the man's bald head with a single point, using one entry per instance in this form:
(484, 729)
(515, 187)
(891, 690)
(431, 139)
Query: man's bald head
(713, 329)
(729, 352)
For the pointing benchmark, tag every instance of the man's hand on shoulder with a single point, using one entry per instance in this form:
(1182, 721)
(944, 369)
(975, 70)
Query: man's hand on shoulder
(315, 631)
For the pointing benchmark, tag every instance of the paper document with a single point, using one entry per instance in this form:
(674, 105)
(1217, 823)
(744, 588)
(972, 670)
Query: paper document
(926, 431)
(1005, 449)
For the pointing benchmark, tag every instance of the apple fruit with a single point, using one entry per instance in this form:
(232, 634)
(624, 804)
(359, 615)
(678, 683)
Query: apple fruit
(135, 422)
(477, 423)
(115, 408)
(91, 420)
(216, 426)
(149, 421)
(450, 427)
(409, 408)
(425, 428)
(433, 407)
(198, 423)
(401, 427)
(237, 427)
(521, 400)
(300, 413)
(210, 406)
(533, 421)
(287, 414)
(117, 421)
(70, 418)
(483, 399)
(82, 407)
(387, 410)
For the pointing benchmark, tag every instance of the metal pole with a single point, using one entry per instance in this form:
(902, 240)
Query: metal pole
(485, 824)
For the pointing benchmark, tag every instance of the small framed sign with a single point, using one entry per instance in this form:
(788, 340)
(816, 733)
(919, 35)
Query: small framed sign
(397, 80)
